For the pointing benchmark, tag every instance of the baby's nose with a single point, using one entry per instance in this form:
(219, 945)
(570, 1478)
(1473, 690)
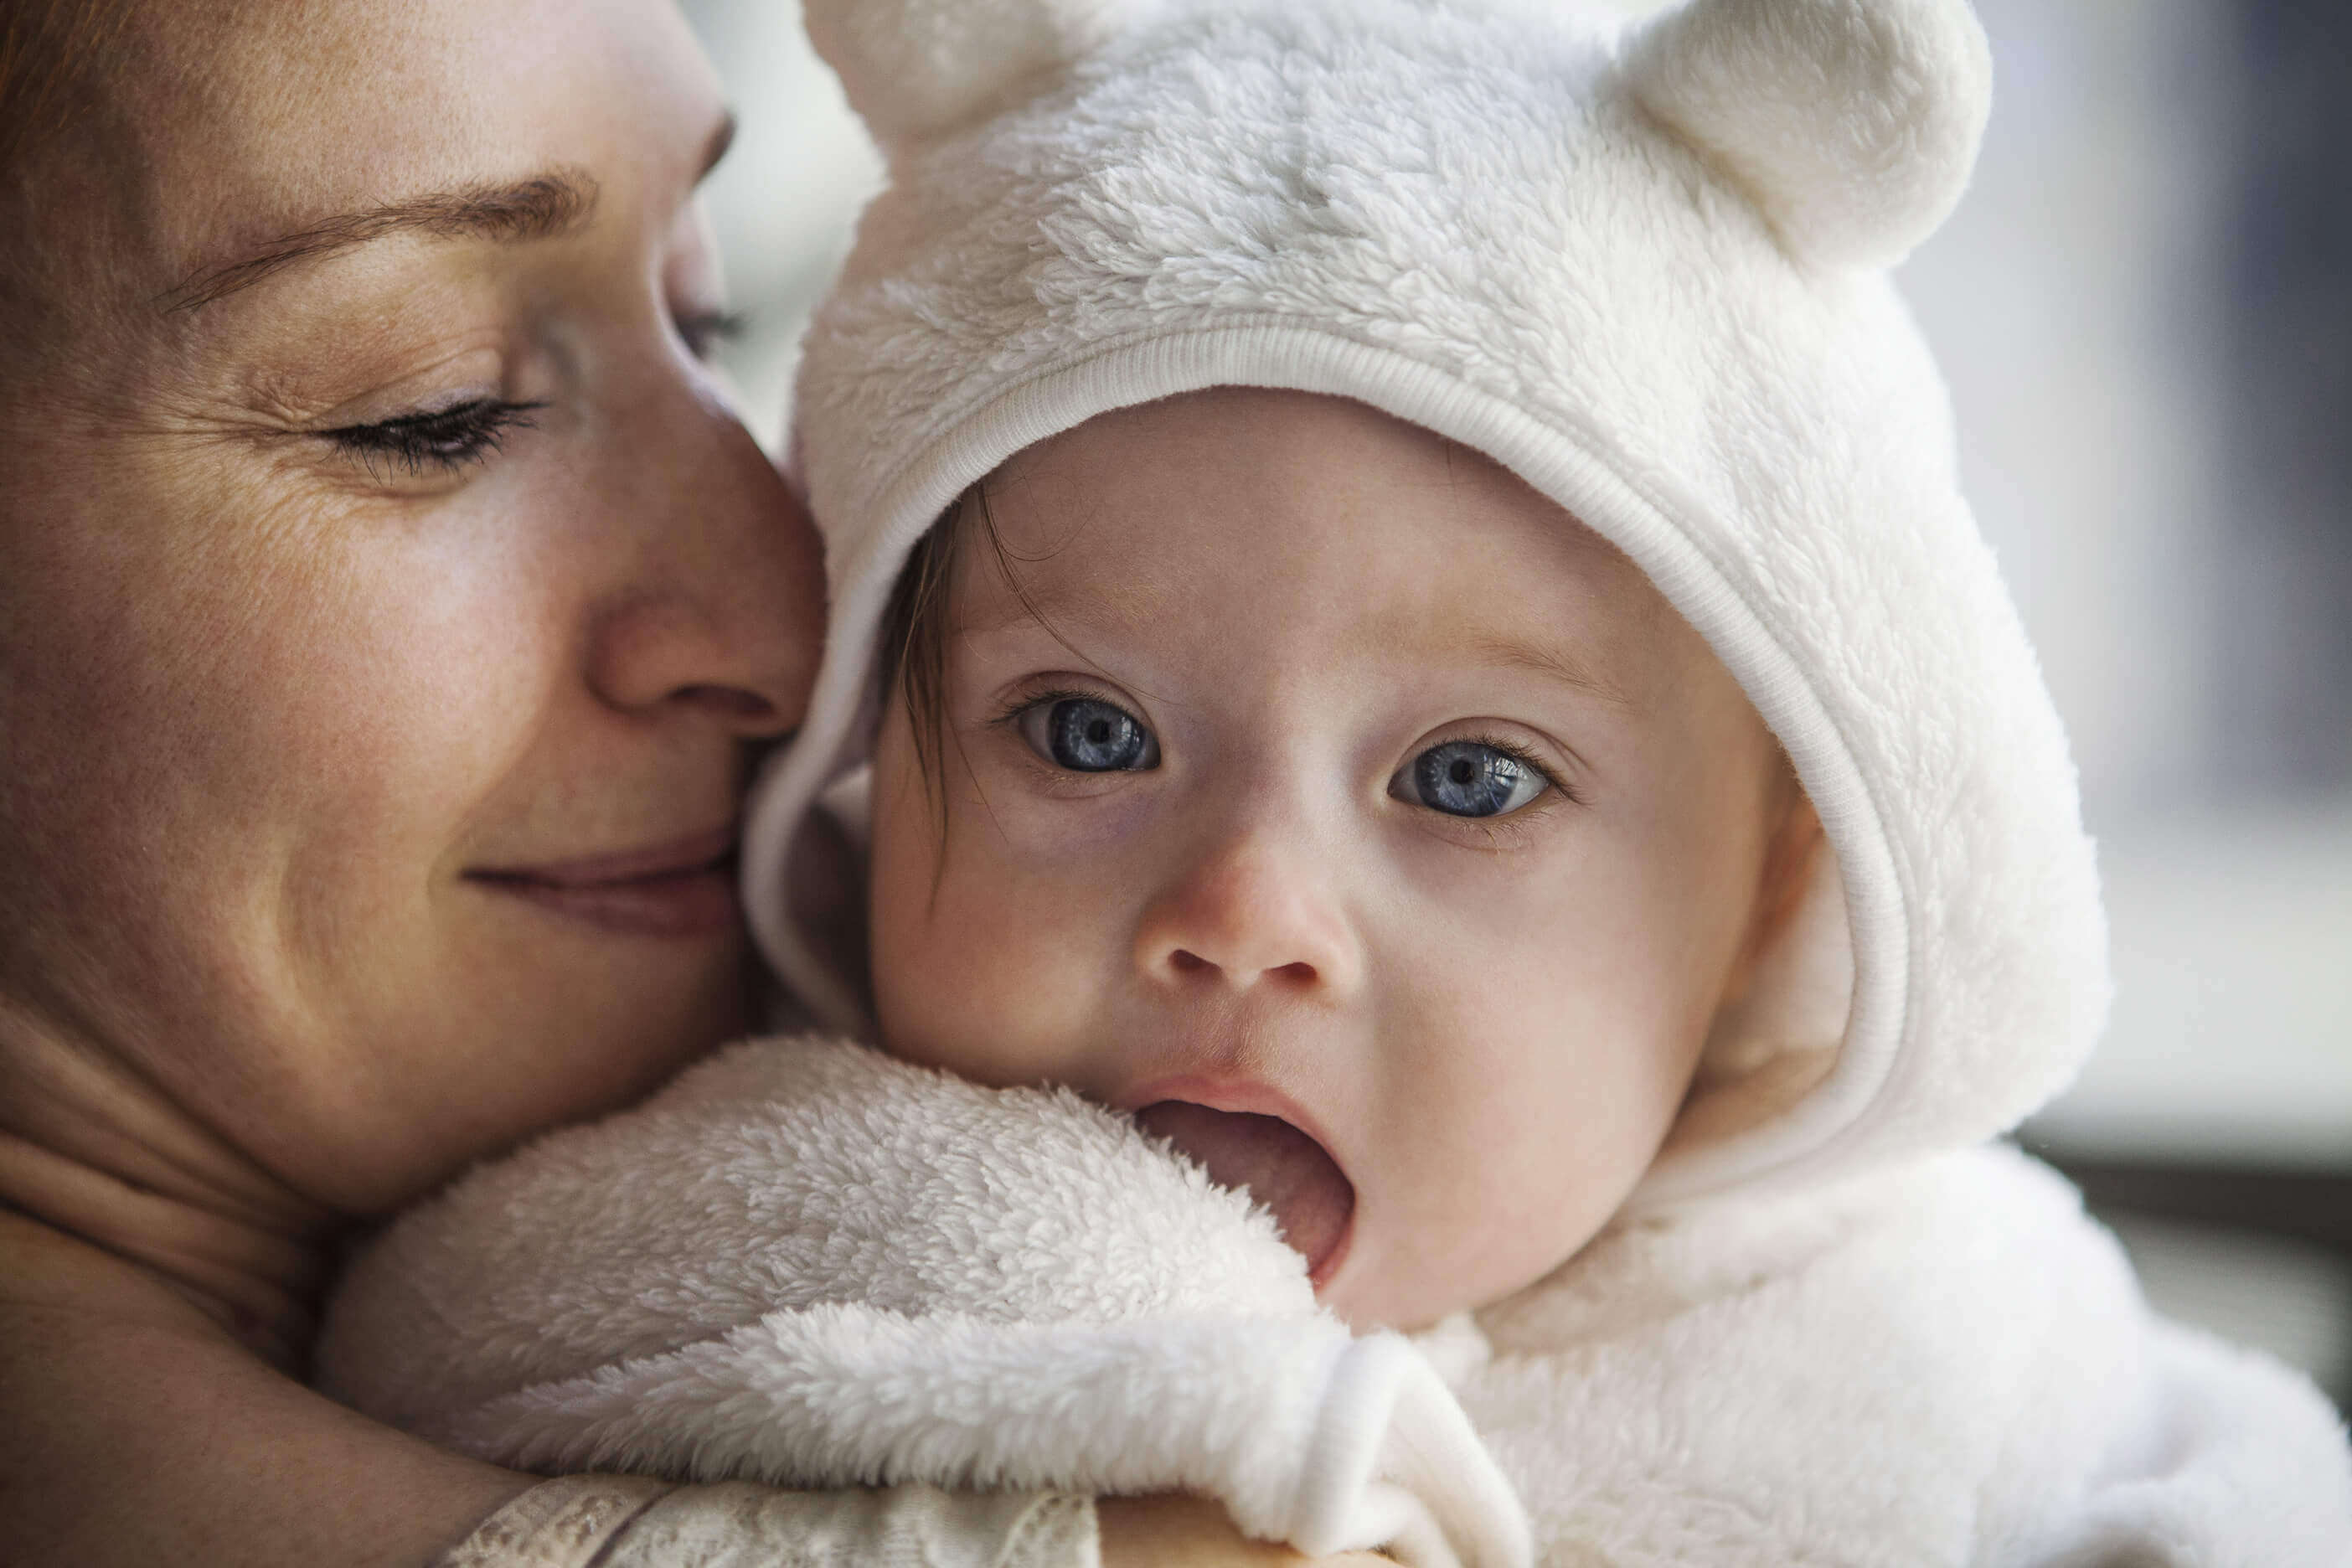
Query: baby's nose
(1246, 917)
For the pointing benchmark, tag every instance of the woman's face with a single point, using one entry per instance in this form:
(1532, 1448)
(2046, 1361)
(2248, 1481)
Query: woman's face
(388, 597)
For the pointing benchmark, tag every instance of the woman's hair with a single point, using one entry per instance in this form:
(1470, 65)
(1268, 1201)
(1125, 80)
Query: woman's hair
(53, 54)
(56, 59)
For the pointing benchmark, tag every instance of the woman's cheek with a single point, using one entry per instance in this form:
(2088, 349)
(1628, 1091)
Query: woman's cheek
(254, 728)
(414, 694)
(378, 672)
(371, 677)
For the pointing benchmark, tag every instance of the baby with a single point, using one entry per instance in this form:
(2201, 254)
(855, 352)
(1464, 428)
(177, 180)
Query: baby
(1324, 794)
(1401, 616)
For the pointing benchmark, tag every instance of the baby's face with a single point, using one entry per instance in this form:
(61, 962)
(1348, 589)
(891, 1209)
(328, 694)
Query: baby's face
(1326, 796)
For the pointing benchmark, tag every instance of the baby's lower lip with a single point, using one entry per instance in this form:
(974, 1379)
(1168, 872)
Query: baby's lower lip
(1279, 1166)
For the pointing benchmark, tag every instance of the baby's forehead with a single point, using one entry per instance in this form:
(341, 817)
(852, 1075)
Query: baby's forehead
(1304, 526)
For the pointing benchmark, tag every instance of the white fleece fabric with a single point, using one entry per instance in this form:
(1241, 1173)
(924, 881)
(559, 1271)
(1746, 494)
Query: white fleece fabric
(1647, 272)
(806, 1263)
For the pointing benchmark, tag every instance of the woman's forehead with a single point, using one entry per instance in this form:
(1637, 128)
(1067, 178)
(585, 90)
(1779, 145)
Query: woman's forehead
(219, 127)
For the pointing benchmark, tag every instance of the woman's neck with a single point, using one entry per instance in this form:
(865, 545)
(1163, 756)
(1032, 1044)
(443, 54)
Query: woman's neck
(95, 1151)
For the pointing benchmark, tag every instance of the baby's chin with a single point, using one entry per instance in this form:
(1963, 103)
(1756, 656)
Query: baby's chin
(1370, 1266)
(1391, 1276)
(1368, 1302)
(1370, 1298)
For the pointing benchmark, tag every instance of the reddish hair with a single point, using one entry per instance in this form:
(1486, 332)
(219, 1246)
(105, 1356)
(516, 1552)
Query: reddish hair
(51, 52)
(56, 58)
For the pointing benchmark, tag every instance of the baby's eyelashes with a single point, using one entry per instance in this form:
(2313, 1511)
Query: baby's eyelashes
(1483, 778)
(1470, 778)
(1086, 734)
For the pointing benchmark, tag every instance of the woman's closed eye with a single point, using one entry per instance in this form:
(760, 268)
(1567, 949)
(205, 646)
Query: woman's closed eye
(1470, 778)
(436, 441)
(702, 331)
(1087, 735)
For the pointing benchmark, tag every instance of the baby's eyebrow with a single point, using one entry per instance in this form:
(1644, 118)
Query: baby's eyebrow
(1554, 663)
(1102, 607)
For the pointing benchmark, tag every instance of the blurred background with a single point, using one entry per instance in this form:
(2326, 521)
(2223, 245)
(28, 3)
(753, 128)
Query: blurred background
(2145, 309)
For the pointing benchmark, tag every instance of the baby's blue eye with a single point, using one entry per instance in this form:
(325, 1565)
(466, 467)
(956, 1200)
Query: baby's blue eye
(1089, 737)
(1468, 778)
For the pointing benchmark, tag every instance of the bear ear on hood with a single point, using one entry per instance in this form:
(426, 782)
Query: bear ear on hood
(918, 69)
(1852, 124)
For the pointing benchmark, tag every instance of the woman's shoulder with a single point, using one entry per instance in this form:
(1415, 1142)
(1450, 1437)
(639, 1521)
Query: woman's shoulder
(113, 1384)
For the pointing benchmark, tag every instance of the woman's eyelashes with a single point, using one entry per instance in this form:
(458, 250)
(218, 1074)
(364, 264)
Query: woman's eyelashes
(1471, 778)
(1086, 734)
(439, 442)
(703, 331)
(436, 441)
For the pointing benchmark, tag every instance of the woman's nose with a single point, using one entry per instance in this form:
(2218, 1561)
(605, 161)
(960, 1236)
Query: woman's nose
(1250, 915)
(718, 607)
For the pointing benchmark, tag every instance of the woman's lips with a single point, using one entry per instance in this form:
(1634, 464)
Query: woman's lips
(1283, 1168)
(682, 887)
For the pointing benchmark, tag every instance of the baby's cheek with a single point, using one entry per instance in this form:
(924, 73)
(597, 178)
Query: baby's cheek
(1524, 1107)
(982, 970)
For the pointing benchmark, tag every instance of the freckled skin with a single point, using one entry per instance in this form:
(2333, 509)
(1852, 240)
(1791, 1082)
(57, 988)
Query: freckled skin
(267, 703)
(1490, 1023)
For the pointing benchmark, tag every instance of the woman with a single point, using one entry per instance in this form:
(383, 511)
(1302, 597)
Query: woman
(388, 605)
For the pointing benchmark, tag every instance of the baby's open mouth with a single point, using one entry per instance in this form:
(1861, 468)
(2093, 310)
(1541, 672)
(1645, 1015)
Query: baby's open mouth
(1280, 1166)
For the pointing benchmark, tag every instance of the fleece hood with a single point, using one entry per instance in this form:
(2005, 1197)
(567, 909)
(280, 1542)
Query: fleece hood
(1646, 271)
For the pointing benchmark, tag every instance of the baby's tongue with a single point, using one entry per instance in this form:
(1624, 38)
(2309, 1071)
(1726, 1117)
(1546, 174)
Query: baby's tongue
(1282, 1167)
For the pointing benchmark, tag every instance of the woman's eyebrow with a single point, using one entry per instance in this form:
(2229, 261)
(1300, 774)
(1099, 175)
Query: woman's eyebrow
(543, 207)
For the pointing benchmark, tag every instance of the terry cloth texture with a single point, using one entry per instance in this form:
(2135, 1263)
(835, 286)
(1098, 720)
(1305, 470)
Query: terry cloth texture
(1645, 272)
(806, 1263)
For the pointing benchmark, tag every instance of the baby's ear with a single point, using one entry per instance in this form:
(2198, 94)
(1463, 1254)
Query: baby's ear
(1852, 124)
(916, 68)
